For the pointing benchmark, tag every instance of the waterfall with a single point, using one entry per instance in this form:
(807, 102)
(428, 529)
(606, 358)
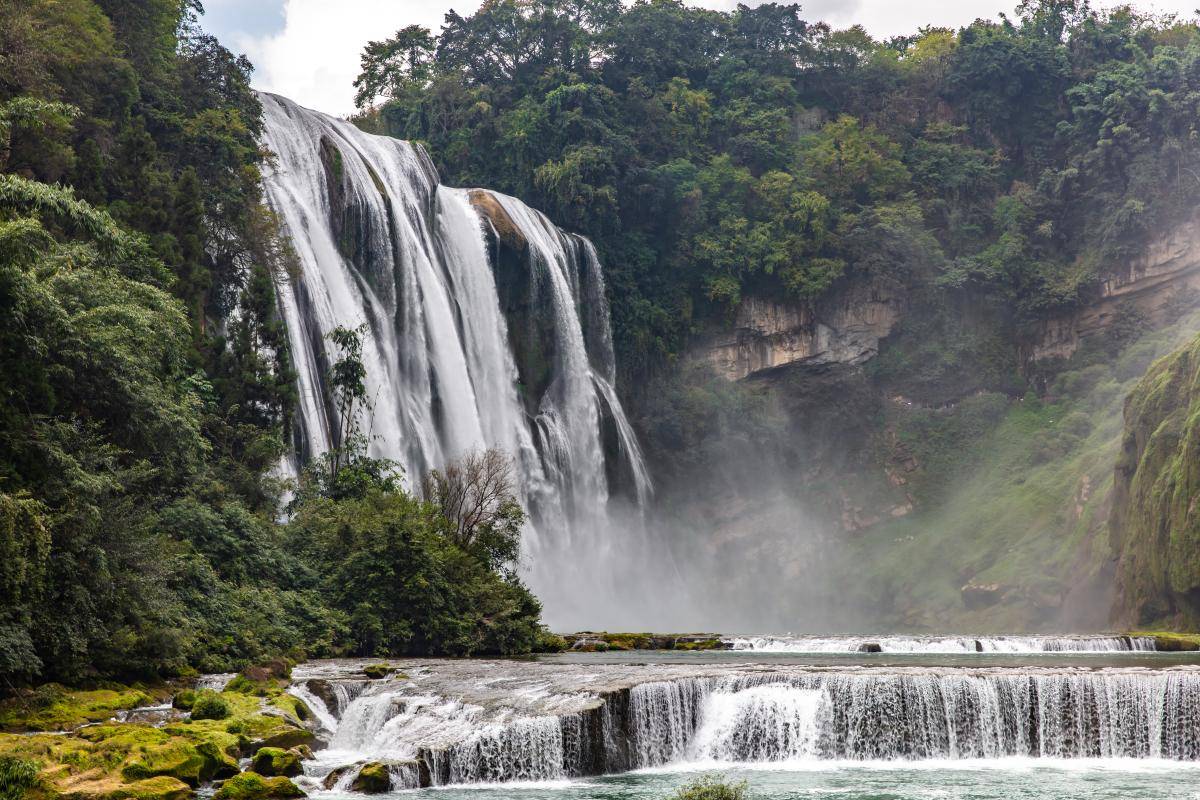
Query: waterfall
(768, 716)
(468, 347)
(943, 644)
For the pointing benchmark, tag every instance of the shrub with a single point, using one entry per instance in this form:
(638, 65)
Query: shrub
(17, 776)
(712, 787)
(210, 705)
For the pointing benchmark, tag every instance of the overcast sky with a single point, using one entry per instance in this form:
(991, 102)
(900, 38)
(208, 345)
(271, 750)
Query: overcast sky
(309, 49)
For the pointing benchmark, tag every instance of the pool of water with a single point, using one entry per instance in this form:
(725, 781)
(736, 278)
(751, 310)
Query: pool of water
(998, 779)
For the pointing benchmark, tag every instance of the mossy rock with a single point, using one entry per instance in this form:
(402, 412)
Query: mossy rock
(1171, 642)
(160, 788)
(252, 786)
(288, 737)
(373, 778)
(56, 708)
(377, 671)
(210, 705)
(272, 761)
(184, 700)
(192, 763)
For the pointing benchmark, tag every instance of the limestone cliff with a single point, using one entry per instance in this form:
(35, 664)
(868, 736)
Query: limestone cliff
(1155, 521)
(1153, 285)
(766, 334)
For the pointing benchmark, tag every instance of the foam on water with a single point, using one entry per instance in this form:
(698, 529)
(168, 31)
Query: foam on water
(944, 644)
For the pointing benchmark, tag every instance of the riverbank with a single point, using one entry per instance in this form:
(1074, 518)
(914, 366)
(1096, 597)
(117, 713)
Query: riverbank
(353, 727)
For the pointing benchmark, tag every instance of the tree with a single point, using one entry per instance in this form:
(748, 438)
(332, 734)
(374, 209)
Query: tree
(394, 66)
(477, 497)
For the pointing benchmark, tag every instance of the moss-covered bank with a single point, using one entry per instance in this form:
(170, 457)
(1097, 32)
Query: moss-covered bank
(74, 745)
(1155, 520)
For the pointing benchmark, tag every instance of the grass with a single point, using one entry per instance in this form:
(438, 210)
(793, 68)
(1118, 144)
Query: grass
(1011, 492)
(711, 787)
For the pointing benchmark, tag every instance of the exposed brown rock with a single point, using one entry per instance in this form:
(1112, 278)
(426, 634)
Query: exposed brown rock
(490, 209)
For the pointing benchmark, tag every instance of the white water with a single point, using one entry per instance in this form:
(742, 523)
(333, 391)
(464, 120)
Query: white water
(499, 722)
(379, 242)
(944, 644)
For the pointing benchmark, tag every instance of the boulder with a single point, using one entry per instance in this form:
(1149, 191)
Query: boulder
(273, 761)
(373, 778)
(288, 737)
(870, 647)
(377, 671)
(252, 786)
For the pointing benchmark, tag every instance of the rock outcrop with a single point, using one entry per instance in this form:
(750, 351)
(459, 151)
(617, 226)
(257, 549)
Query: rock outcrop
(1154, 286)
(768, 334)
(1155, 518)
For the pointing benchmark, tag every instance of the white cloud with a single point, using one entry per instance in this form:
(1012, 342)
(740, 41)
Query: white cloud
(315, 57)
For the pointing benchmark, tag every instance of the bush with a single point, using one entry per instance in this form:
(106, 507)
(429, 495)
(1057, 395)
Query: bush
(17, 776)
(210, 705)
(712, 787)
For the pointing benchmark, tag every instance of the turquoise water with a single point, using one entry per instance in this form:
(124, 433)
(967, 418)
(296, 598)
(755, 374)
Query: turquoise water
(1002, 779)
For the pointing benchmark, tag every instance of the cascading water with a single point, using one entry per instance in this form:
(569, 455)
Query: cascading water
(497, 722)
(942, 644)
(380, 243)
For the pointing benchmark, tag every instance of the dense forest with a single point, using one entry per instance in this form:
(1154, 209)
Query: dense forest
(147, 389)
(715, 155)
(148, 392)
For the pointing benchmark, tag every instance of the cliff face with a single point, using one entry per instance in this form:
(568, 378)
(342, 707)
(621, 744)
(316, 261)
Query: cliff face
(1155, 521)
(767, 334)
(1152, 285)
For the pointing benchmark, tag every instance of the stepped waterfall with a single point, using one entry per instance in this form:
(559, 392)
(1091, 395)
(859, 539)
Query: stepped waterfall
(492, 724)
(487, 327)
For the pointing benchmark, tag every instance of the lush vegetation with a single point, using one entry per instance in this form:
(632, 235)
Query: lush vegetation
(147, 388)
(714, 155)
(711, 787)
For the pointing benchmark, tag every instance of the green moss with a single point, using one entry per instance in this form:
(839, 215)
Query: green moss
(251, 786)
(132, 760)
(1168, 641)
(272, 761)
(701, 644)
(161, 788)
(210, 705)
(373, 778)
(184, 700)
(376, 671)
(54, 708)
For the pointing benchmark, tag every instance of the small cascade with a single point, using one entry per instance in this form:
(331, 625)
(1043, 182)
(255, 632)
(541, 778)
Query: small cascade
(943, 644)
(761, 715)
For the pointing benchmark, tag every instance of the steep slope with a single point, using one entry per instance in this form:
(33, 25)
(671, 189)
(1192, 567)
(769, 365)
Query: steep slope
(1155, 523)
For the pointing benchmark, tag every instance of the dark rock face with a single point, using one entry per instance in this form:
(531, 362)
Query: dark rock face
(1155, 520)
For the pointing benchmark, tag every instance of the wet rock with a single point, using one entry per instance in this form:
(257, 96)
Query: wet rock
(490, 209)
(870, 647)
(373, 778)
(252, 786)
(272, 761)
(324, 690)
(336, 774)
(287, 738)
(377, 671)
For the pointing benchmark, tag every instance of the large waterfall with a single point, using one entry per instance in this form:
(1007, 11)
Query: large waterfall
(488, 327)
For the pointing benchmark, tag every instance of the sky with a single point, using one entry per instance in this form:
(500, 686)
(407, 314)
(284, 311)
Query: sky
(308, 50)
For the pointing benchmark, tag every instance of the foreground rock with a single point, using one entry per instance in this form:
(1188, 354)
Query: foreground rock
(156, 756)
